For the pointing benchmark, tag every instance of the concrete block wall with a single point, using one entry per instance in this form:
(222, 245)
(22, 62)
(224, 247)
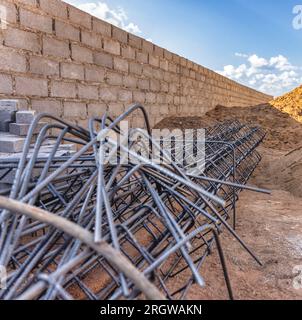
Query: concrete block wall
(58, 59)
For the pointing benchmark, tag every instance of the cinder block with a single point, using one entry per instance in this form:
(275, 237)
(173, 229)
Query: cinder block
(8, 105)
(139, 96)
(154, 61)
(129, 81)
(128, 52)
(102, 27)
(172, 67)
(136, 68)
(10, 11)
(96, 109)
(81, 54)
(164, 86)
(33, 87)
(22, 39)
(63, 89)
(112, 47)
(72, 71)
(176, 58)
(119, 34)
(94, 74)
(35, 21)
(7, 115)
(79, 17)
(148, 71)
(125, 96)
(67, 31)
(91, 39)
(114, 79)
(88, 92)
(143, 84)
(75, 109)
(31, 3)
(4, 126)
(135, 41)
(56, 48)
(164, 64)
(56, 8)
(158, 51)
(168, 55)
(192, 74)
(108, 94)
(116, 109)
(11, 60)
(44, 66)
(25, 117)
(21, 129)
(48, 106)
(142, 57)
(121, 64)
(103, 59)
(6, 84)
(150, 97)
(148, 46)
(11, 144)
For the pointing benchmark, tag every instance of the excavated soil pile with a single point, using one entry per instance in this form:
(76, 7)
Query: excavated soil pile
(290, 103)
(270, 224)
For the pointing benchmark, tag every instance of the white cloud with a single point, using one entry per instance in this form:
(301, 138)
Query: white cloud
(241, 55)
(257, 62)
(281, 63)
(275, 75)
(117, 17)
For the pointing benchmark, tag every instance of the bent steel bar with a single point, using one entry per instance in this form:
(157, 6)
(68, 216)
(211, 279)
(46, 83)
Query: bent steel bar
(118, 260)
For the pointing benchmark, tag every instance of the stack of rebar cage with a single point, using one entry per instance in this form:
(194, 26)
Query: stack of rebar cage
(85, 228)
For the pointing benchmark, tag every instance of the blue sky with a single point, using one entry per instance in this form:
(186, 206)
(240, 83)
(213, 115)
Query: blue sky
(253, 42)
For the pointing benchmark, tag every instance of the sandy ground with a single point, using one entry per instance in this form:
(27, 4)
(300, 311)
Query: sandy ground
(270, 224)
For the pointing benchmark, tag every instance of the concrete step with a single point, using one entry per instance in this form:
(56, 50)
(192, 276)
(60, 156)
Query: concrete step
(21, 129)
(9, 105)
(25, 117)
(11, 143)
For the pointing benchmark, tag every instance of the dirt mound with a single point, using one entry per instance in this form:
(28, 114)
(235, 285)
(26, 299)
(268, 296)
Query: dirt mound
(290, 103)
(283, 132)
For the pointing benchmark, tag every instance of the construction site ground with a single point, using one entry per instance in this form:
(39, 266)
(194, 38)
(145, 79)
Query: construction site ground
(271, 225)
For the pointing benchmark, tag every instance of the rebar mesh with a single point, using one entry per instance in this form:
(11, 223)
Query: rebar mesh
(163, 217)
